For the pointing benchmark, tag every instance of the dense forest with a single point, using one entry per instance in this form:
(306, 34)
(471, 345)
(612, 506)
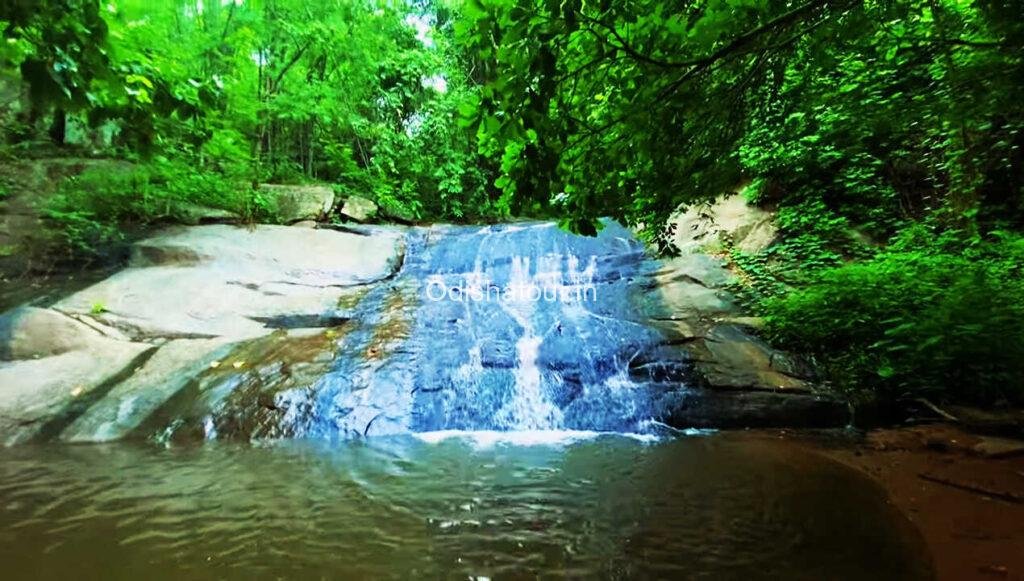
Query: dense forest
(887, 135)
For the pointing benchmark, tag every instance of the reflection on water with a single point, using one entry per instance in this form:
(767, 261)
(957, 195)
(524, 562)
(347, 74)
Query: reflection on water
(700, 508)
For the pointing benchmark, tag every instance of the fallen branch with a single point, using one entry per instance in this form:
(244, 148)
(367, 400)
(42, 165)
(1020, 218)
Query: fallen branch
(937, 409)
(1004, 496)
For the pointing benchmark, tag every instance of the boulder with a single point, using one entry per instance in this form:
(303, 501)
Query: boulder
(359, 209)
(225, 281)
(298, 203)
(729, 218)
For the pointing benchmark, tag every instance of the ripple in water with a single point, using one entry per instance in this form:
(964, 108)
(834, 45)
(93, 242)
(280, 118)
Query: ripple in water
(446, 504)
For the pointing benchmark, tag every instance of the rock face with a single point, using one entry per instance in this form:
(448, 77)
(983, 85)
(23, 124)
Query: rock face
(735, 379)
(359, 209)
(99, 363)
(729, 218)
(298, 203)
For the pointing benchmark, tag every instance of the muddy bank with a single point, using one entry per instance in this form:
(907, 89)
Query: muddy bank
(964, 492)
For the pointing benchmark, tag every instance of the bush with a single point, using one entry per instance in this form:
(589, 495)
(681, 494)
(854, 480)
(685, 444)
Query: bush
(92, 209)
(926, 317)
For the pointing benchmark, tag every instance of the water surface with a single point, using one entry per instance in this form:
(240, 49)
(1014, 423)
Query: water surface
(448, 505)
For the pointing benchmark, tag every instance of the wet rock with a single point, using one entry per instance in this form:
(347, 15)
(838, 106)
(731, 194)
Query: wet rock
(303, 321)
(728, 219)
(298, 203)
(209, 281)
(730, 358)
(53, 368)
(359, 209)
(703, 408)
(127, 405)
(238, 391)
(276, 380)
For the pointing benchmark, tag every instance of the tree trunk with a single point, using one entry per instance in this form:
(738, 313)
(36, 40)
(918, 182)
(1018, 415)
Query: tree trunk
(59, 127)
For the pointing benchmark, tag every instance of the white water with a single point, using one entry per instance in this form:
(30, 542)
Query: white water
(486, 439)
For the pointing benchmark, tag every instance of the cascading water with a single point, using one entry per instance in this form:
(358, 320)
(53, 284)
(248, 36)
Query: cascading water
(502, 328)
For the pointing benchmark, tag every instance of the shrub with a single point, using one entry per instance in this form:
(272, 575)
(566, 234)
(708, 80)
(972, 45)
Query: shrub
(936, 317)
(92, 209)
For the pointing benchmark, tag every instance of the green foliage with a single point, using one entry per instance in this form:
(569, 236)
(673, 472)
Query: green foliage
(926, 317)
(90, 210)
(361, 94)
(880, 111)
(60, 48)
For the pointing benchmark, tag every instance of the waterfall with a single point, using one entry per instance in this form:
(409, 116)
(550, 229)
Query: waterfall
(510, 328)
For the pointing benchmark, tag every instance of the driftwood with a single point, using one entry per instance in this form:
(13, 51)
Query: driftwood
(1004, 496)
(936, 409)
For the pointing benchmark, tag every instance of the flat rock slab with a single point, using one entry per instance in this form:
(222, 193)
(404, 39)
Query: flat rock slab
(211, 281)
(53, 368)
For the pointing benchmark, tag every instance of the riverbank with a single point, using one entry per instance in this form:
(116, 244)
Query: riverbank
(964, 492)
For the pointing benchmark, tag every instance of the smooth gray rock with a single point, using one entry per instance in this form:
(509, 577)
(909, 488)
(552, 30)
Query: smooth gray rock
(53, 368)
(126, 406)
(210, 281)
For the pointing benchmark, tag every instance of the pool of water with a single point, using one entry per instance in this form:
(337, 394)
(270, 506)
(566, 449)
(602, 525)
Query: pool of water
(449, 505)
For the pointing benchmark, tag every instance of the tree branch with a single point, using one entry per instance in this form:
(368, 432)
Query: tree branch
(295, 59)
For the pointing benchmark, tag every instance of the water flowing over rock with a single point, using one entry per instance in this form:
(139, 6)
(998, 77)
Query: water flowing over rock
(275, 332)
